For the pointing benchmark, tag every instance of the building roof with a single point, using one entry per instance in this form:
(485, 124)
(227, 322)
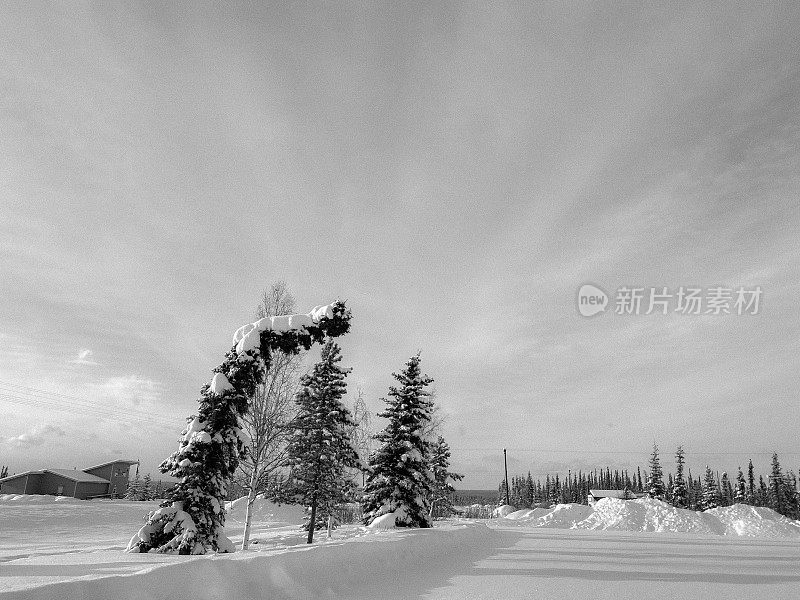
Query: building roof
(79, 476)
(10, 477)
(112, 462)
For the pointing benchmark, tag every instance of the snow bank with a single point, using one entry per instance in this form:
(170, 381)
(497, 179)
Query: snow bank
(386, 521)
(645, 514)
(332, 570)
(38, 499)
(565, 516)
(754, 521)
(503, 511)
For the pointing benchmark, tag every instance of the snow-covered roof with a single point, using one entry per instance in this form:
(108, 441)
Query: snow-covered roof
(112, 462)
(79, 476)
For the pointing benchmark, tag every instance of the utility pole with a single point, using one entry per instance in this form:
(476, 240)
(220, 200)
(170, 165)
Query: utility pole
(505, 465)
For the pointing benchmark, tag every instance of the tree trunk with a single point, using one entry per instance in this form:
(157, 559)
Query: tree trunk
(313, 521)
(251, 498)
(330, 525)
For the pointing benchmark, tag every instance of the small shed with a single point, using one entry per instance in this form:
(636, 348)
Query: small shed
(597, 495)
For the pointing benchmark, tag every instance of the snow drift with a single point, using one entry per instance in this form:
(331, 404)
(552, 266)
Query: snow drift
(645, 514)
(37, 499)
(367, 563)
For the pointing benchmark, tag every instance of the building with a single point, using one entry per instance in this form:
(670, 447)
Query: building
(596, 495)
(105, 480)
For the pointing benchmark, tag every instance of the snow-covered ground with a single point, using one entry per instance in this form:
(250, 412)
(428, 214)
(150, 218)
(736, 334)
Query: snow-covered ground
(73, 549)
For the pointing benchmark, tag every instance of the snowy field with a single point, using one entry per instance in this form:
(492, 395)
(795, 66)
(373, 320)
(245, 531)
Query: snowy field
(57, 549)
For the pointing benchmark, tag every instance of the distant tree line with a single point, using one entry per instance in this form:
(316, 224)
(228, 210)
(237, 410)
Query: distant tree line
(711, 489)
(146, 489)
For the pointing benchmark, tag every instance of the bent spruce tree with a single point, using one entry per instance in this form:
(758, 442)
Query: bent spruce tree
(192, 518)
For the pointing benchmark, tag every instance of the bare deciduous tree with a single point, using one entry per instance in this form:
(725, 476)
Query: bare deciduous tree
(272, 408)
(362, 434)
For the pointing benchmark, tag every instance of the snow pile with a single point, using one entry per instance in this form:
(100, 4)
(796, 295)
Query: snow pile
(527, 514)
(755, 521)
(565, 516)
(266, 512)
(503, 511)
(387, 521)
(37, 499)
(646, 514)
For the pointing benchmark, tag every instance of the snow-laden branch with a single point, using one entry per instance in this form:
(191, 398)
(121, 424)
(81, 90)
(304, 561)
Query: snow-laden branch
(214, 440)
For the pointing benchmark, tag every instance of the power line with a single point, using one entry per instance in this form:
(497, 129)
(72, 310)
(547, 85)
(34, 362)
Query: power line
(39, 395)
(35, 398)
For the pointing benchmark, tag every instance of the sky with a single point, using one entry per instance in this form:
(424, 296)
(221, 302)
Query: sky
(454, 171)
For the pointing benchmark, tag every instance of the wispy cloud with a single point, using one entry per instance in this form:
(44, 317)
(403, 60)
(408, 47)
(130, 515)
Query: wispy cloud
(128, 389)
(84, 358)
(36, 436)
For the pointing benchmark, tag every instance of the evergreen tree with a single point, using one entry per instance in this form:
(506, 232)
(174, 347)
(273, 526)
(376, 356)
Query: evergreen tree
(790, 496)
(530, 491)
(740, 495)
(320, 449)
(655, 480)
(709, 499)
(726, 491)
(501, 493)
(4, 472)
(134, 491)
(776, 499)
(751, 484)
(762, 495)
(191, 519)
(147, 488)
(680, 495)
(399, 479)
(443, 492)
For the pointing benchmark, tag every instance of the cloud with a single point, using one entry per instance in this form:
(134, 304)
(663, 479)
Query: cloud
(36, 436)
(84, 358)
(130, 389)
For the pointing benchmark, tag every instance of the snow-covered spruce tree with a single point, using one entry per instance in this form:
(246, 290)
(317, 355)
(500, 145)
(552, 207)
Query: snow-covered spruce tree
(192, 517)
(147, 488)
(655, 480)
(710, 491)
(726, 490)
(134, 491)
(442, 492)
(320, 449)
(399, 480)
(776, 501)
(680, 495)
(740, 495)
